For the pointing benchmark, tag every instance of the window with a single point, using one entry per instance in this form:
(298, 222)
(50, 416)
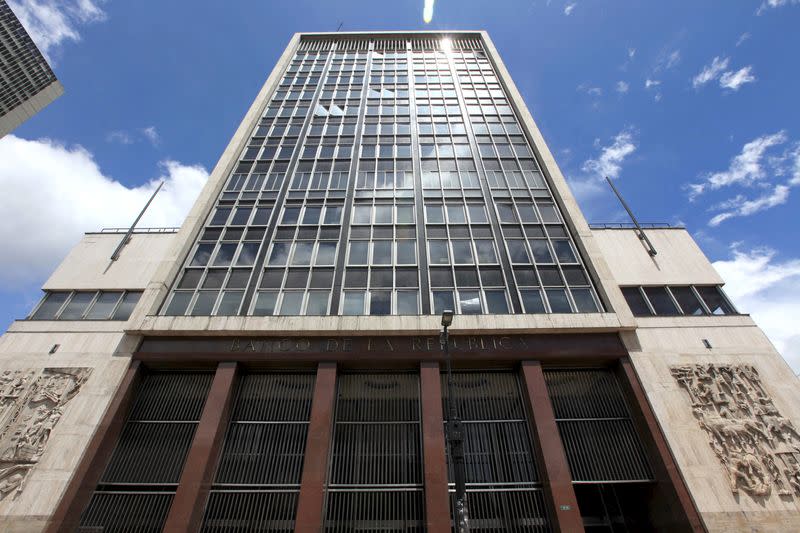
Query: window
(636, 301)
(699, 300)
(89, 305)
(532, 301)
(661, 301)
(437, 250)
(49, 307)
(690, 304)
(716, 301)
(104, 306)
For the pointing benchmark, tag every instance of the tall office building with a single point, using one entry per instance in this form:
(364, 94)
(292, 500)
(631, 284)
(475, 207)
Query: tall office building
(275, 364)
(27, 84)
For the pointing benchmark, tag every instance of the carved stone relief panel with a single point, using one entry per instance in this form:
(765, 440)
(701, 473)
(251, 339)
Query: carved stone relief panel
(759, 448)
(31, 403)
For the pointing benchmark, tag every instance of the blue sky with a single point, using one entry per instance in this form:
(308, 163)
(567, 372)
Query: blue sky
(691, 106)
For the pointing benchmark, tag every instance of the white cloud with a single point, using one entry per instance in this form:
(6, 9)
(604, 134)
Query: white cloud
(631, 53)
(740, 206)
(592, 91)
(589, 184)
(648, 84)
(769, 290)
(52, 22)
(742, 38)
(672, 59)
(756, 166)
(609, 162)
(728, 79)
(746, 168)
(711, 72)
(734, 80)
(119, 136)
(775, 3)
(152, 135)
(53, 193)
(569, 7)
(622, 87)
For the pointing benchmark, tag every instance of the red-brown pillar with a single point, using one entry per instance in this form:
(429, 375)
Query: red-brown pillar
(670, 482)
(68, 513)
(186, 511)
(557, 478)
(437, 501)
(311, 500)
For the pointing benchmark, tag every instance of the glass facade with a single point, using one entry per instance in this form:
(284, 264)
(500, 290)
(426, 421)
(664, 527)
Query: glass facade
(385, 177)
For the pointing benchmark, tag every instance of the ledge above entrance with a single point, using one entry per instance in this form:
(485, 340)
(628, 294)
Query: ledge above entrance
(376, 325)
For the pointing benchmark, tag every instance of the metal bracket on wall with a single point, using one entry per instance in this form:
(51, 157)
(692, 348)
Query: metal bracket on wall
(127, 236)
(639, 231)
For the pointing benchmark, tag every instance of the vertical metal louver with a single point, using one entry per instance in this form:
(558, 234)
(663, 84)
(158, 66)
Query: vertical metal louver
(425, 43)
(137, 486)
(315, 45)
(389, 44)
(466, 43)
(598, 434)
(258, 478)
(375, 478)
(503, 487)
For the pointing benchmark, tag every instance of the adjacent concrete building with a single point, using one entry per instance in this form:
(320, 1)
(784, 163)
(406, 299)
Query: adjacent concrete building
(276, 363)
(27, 83)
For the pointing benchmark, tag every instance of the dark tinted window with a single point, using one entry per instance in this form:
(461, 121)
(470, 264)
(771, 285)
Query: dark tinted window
(660, 300)
(717, 303)
(49, 308)
(126, 306)
(636, 301)
(686, 298)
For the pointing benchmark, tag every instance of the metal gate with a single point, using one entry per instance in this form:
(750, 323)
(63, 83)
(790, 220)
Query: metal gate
(258, 478)
(375, 478)
(139, 483)
(504, 492)
(596, 428)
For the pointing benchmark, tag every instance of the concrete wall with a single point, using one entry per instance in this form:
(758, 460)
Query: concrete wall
(660, 343)
(108, 355)
(679, 260)
(88, 264)
(102, 346)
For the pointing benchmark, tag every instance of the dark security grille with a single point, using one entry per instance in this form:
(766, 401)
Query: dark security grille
(598, 434)
(258, 479)
(501, 510)
(117, 511)
(138, 485)
(503, 488)
(375, 481)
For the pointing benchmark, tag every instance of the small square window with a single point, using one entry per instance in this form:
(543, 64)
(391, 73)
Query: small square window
(353, 303)
(558, 301)
(265, 304)
(532, 301)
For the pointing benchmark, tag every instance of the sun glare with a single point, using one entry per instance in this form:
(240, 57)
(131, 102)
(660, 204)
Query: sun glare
(427, 11)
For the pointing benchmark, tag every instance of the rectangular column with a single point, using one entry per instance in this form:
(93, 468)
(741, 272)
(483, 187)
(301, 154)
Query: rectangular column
(437, 501)
(186, 511)
(68, 513)
(557, 479)
(670, 483)
(311, 500)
